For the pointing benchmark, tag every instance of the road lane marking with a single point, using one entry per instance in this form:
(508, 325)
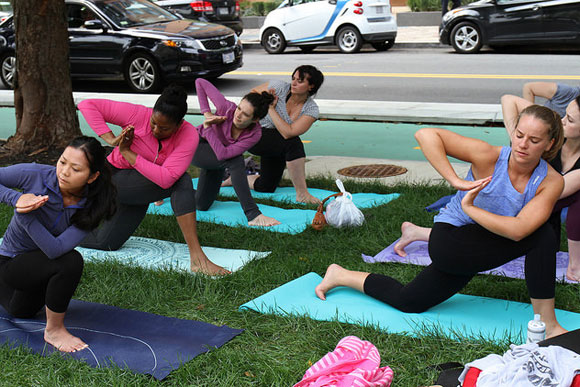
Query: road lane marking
(420, 75)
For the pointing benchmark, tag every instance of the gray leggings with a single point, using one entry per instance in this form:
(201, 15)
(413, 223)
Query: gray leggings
(210, 179)
(134, 193)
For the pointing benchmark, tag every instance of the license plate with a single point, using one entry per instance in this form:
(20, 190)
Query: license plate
(228, 57)
(380, 9)
(223, 11)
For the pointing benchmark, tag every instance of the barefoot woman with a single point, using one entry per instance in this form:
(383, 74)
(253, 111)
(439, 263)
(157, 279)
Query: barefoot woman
(503, 216)
(55, 208)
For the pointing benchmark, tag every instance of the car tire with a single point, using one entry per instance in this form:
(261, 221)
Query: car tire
(383, 46)
(142, 74)
(273, 41)
(307, 49)
(8, 69)
(466, 38)
(349, 40)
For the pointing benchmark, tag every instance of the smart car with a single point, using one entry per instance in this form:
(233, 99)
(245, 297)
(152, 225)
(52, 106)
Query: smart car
(346, 23)
(500, 23)
(137, 41)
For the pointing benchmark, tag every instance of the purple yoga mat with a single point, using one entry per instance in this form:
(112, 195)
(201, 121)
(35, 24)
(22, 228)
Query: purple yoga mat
(417, 254)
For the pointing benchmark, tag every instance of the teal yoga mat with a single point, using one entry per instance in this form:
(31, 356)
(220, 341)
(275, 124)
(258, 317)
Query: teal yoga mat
(462, 316)
(231, 214)
(158, 254)
(288, 195)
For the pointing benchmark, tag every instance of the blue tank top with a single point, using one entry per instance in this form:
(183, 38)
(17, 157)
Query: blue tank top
(499, 197)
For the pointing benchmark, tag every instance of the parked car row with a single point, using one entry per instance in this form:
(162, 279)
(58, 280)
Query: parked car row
(138, 41)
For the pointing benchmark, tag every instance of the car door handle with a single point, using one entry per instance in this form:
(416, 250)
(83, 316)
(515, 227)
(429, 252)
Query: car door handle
(536, 7)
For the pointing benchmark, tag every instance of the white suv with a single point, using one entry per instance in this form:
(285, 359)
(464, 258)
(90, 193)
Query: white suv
(346, 23)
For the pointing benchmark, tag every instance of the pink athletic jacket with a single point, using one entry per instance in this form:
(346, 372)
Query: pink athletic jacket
(219, 136)
(163, 167)
(354, 362)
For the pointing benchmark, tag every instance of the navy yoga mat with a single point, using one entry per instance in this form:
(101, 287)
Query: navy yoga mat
(142, 342)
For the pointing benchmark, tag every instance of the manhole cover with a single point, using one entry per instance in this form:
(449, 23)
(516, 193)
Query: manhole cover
(372, 170)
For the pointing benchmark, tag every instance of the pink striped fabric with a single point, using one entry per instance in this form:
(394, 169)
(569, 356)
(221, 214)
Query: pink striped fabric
(354, 362)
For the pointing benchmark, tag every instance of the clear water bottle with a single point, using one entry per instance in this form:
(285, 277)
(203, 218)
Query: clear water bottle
(536, 330)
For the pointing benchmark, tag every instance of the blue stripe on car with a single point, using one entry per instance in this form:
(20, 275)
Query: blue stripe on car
(339, 6)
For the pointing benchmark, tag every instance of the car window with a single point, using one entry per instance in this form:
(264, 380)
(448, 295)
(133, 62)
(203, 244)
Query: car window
(78, 14)
(297, 2)
(5, 6)
(132, 13)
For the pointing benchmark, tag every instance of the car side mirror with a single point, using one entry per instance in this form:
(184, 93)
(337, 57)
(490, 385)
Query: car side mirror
(95, 25)
(331, 1)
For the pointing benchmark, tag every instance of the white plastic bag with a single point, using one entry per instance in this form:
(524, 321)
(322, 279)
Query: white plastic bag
(341, 212)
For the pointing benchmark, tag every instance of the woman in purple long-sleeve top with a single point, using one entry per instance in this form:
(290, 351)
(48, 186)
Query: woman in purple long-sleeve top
(224, 137)
(55, 207)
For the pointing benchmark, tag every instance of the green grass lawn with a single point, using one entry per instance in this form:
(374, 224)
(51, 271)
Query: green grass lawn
(272, 351)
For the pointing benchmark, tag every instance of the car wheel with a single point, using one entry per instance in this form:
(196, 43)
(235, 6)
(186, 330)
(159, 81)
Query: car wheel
(307, 49)
(466, 38)
(142, 74)
(349, 40)
(8, 69)
(383, 46)
(273, 41)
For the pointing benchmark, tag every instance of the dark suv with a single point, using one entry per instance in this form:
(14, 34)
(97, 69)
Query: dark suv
(226, 12)
(138, 41)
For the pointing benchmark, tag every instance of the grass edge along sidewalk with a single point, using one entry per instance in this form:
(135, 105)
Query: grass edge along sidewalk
(273, 351)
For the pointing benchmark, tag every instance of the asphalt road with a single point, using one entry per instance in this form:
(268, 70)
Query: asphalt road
(400, 74)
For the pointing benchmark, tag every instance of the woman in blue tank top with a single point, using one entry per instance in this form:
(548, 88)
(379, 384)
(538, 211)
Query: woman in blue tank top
(498, 214)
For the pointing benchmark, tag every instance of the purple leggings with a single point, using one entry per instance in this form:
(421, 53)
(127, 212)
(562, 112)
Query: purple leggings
(573, 218)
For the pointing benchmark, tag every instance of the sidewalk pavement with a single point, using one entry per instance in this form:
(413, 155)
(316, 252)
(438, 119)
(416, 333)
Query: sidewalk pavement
(407, 37)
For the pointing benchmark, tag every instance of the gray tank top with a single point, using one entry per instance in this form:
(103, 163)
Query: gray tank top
(282, 89)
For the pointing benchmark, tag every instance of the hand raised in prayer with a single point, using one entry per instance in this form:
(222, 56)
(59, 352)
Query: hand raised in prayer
(472, 194)
(213, 120)
(30, 202)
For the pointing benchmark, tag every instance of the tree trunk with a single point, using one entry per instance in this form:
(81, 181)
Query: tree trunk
(45, 111)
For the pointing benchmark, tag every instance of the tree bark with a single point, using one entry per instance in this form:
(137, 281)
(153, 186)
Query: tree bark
(45, 111)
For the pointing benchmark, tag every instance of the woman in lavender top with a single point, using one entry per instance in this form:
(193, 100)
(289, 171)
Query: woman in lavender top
(55, 208)
(224, 136)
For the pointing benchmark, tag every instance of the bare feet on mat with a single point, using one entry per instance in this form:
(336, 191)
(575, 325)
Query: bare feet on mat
(410, 233)
(305, 197)
(227, 182)
(330, 280)
(201, 264)
(62, 340)
(555, 331)
(264, 221)
(159, 202)
(573, 273)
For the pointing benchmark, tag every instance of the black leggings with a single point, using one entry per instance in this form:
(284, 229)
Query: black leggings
(275, 151)
(31, 280)
(134, 193)
(458, 254)
(211, 176)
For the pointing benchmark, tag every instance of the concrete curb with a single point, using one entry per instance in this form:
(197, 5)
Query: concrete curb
(253, 45)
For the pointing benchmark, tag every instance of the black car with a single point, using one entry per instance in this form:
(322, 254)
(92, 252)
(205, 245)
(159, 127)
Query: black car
(138, 41)
(511, 22)
(226, 12)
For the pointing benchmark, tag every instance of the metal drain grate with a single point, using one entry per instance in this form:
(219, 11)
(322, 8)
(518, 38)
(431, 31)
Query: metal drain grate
(373, 170)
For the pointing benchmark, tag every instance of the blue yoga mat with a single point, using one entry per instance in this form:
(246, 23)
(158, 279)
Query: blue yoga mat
(231, 214)
(288, 195)
(159, 254)
(145, 343)
(460, 316)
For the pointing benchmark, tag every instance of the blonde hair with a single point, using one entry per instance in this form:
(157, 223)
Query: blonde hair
(555, 128)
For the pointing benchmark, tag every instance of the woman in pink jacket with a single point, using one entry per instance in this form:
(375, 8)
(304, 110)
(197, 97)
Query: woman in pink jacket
(149, 163)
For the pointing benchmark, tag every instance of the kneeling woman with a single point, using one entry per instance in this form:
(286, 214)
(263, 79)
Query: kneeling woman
(224, 137)
(503, 216)
(55, 208)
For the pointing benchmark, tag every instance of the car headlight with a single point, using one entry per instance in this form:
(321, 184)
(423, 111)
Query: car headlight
(191, 43)
(450, 14)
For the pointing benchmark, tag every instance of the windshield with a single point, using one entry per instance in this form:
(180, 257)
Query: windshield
(5, 6)
(133, 13)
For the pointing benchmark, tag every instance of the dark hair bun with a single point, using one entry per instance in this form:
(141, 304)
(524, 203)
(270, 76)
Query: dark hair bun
(172, 103)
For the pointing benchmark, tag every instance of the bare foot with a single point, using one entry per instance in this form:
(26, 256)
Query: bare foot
(556, 331)
(252, 179)
(62, 340)
(227, 182)
(201, 264)
(330, 280)
(159, 202)
(305, 197)
(264, 221)
(573, 273)
(410, 233)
